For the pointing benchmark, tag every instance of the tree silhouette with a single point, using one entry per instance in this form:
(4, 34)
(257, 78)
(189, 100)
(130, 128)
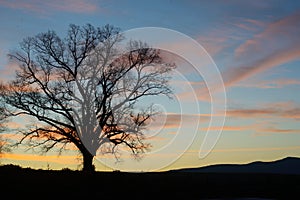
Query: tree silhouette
(3, 143)
(84, 89)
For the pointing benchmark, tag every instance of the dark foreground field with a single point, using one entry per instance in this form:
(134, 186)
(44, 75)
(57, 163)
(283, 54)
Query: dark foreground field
(43, 184)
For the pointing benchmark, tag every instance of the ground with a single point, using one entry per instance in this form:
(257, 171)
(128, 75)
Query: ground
(51, 184)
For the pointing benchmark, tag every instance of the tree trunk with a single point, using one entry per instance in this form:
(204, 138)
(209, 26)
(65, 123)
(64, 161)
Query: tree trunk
(88, 162)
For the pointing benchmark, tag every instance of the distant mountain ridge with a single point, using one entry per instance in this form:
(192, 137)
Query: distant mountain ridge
(288, 165)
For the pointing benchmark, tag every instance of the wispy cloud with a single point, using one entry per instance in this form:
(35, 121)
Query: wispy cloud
(257, 149)
(12, 136)
(276, 45)
(8, 71)
(75, 6)
(277, 35)
(175, 120)
(13, 125)
(197, 91)
(272, 44)
(234, 75)
(213, 44)
(265, 84)
(248, 24)
(226, 128)
(274, 130)
(268, 112)
(222, 38)
(249, 113)
(257, 128)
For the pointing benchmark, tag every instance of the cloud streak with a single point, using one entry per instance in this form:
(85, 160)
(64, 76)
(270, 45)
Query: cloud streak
(73, 6)
(276, 45)
(226, 128)
(267, 84)
(263, 149)
(8, 71)
(279, 57)
(293, 113)
(273, 130)
(175, 120)
(280, 34)
(213, 44)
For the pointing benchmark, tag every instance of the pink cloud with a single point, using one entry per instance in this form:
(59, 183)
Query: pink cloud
(198, 91)
(254, 22)
(76, 6)
(277, 35)
(13, 125)
(257, 149)
(276, 45)
(226, 128)
(273, 130)
(268, 112)
(282, 56)
(175, 120)
(12, 136)
(8, 71)
(259, 129)
(249, 113)
(244, 26)
(213, 44)
(276, 83)
(216, 40)
(248, 24)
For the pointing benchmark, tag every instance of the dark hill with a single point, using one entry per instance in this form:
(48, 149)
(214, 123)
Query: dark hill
(289, 165)
(258, 180)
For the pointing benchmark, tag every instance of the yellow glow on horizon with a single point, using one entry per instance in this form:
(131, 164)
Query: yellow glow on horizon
(62, 159)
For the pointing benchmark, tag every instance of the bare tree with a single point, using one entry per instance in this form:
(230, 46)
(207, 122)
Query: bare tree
(3, 143)
(84, 89)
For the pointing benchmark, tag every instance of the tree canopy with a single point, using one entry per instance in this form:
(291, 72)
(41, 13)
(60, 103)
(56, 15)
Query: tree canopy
(83, 89)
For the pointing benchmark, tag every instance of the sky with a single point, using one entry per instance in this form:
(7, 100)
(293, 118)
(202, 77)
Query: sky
(253, 45)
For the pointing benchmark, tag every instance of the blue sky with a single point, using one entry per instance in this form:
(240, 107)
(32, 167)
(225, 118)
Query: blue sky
(255, 45)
